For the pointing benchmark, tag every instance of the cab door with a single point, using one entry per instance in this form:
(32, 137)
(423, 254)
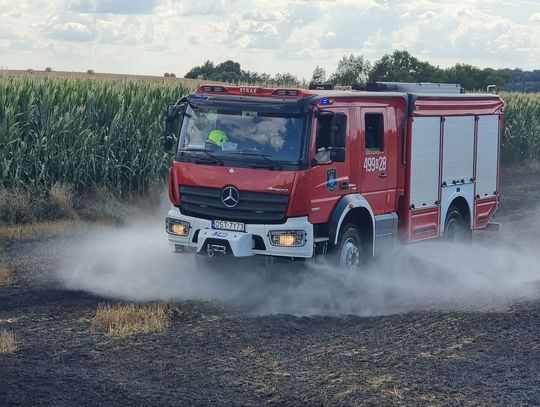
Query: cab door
(329, 180)
(377, 166)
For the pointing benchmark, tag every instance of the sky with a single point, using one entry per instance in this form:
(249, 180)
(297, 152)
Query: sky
(158, 36)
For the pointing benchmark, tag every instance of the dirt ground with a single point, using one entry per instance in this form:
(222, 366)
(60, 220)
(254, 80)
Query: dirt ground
(216, 353)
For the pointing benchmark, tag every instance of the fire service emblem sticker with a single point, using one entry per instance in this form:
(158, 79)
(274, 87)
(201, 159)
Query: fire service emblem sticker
(331, 179)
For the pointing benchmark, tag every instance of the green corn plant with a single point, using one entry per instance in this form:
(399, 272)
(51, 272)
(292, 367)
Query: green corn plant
(521, 141)
(83, 132)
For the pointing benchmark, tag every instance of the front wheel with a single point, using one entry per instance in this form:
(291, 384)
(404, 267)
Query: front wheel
(456, 228)
(349, 249)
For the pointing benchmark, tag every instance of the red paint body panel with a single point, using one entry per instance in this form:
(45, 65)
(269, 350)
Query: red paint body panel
(404, 213)
(456, 107)
(375, 183)
(380, 187)
(174, 193)
(280, 93)
(298, 204)
(484, 210)
(246, 179)
(424, 224)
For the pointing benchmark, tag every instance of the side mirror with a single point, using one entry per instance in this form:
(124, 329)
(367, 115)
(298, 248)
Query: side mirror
(337, 155)
(169, 144)
(174, 110)
(169, 126)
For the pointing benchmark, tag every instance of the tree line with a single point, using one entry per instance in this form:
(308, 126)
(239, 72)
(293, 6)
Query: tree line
(396, 67)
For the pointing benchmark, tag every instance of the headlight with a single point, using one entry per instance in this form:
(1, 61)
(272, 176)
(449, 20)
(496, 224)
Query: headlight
(177, 227)
(287, 238)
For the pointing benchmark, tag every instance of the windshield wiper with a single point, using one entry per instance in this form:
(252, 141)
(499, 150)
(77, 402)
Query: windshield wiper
(271, 163)
(215, 160)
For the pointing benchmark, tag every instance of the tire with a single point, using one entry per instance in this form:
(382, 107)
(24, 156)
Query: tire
(456, 228)
(349, 251)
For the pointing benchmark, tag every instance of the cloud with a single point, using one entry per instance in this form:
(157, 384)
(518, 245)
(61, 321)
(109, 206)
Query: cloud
(282, 35)
(201, 8)
(21, 45)
(8, 34)
(195, 39)
(115, 6)
(271, 15)
(72, 32)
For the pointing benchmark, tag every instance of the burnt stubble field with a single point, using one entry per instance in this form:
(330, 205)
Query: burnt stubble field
(255, 342)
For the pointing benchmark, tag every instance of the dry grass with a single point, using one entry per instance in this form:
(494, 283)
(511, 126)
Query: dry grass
(17, 206)
(61, 198)
(6, 276)
(121, 320)
(451, 351)
(8, 342)
(249, 352)
(396, 392)
(21, 206)
(26, 231)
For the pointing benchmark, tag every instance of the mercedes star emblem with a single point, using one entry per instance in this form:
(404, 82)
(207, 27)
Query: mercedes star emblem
(230, 197)
(231, 171)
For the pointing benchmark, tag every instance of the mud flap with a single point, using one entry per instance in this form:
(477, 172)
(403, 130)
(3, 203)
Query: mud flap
(237, 244)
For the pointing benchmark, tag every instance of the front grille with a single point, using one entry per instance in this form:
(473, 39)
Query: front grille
(254, 207)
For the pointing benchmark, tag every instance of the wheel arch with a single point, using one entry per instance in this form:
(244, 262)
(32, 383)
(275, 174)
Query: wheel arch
(460, 202)
(355, 209)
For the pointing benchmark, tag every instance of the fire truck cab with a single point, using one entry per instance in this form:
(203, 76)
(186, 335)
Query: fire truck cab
(298, 173)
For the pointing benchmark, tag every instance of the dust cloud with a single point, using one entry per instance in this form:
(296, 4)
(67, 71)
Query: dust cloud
(134, 263)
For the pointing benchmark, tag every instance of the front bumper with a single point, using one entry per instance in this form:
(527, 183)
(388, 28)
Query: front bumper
(257, 236)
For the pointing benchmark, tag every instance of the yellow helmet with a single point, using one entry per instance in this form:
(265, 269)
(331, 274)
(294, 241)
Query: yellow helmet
(217, 137)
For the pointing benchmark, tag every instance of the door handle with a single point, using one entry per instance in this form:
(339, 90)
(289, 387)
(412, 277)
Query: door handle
(344, 185)
(383, 175)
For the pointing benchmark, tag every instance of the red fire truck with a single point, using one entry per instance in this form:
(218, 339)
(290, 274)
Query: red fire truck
(297, 173)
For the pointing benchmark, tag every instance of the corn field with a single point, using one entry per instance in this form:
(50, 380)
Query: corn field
(522, 134)
(83, 132)
(102, 132)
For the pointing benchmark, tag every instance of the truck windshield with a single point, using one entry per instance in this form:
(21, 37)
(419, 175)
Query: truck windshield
(224, 134)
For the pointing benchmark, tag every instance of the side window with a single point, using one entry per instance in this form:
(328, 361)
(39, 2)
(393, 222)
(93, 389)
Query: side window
(323, 140)
(374, 125)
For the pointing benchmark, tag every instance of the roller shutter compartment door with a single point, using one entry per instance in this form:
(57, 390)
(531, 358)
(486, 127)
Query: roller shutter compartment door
(425, 150)
(487, 156)
(458, 150)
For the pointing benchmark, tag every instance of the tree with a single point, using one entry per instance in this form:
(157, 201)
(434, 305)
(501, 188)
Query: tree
(351, 70)
(468, 76)
(229, 66)
(319, 75)
(228, 71)
(402, 66)
(285, 79)
(203, 72)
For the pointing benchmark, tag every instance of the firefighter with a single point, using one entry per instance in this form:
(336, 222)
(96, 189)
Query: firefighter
(216, 140)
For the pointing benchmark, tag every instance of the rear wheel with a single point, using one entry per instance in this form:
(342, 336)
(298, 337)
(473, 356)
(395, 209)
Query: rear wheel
(456, 228)
(349, 252)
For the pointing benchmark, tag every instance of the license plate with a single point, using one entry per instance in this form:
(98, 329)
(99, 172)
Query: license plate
(227, 225)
